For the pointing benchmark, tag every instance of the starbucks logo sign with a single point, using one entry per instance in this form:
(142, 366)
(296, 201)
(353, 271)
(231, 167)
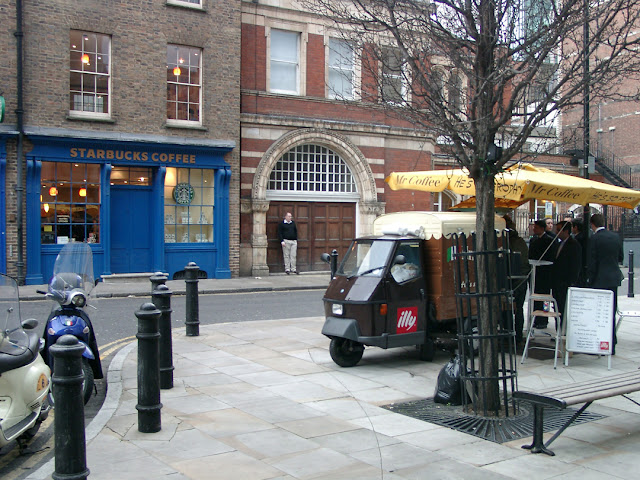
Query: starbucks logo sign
(183, 193)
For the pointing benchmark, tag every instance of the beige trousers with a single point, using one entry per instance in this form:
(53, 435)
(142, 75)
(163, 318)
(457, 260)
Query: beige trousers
(289, 252)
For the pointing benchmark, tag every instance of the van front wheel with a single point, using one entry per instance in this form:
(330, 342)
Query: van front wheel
(345, 352)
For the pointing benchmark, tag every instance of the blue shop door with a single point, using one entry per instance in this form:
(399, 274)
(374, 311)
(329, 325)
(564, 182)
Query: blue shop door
(130, 229)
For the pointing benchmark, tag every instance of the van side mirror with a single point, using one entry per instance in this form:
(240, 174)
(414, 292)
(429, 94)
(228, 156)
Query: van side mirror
(325, 257)
(399, 260)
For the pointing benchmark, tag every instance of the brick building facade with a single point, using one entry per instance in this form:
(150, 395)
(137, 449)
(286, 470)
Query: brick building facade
(131, 134)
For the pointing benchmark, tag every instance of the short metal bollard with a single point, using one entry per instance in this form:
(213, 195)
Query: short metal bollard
(161, 298)
(630, 293)
(149, 406)
(334, 263)
(156, 279)
(70, 446)
(192, 320)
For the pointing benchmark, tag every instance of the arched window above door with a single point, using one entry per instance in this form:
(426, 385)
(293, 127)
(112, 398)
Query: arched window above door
(312, 168)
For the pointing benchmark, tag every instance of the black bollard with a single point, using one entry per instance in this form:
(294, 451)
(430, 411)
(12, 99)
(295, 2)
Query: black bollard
(334, 263)
(192, 310)
(70, 446)
(630, 289)
(161, 298)
(156, 279)
(149, 406)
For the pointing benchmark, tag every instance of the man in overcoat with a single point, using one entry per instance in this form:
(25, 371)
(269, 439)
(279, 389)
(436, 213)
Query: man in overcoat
(603, 271)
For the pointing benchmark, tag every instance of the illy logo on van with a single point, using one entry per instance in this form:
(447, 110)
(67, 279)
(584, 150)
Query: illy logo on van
(407, 320)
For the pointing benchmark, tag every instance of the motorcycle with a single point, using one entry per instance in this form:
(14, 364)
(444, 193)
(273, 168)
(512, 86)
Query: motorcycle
(24, 377)
(70, 287)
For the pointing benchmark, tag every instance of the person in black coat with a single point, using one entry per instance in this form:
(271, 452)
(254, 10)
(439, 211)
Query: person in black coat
(603, 271)
(542, 247)
(566, 267)
(288, 236)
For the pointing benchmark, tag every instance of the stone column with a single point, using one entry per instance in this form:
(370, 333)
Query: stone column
(259, 238)
(368, 212)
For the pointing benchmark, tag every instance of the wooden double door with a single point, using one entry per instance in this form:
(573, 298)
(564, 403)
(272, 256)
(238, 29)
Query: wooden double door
(322, 227)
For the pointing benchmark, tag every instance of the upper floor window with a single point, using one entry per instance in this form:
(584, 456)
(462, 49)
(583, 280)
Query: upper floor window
(285, 62)
(186, 3)
(341, 66)
(184, 84)
(455, 94)
(393, 85)
(90, 74)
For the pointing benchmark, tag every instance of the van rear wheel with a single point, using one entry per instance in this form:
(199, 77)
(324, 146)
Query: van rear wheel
(345, 352)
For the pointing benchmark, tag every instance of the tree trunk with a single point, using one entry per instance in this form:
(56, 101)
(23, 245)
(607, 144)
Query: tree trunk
(488, 307)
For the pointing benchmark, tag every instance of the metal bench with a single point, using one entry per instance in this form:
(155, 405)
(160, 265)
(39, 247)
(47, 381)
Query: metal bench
(566, 395)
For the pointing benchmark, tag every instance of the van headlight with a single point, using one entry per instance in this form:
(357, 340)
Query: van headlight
(336, 309)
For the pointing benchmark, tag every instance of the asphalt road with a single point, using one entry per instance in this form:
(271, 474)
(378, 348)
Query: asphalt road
(115, 324)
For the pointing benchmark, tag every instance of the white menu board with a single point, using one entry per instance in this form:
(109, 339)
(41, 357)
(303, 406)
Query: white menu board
(589, 316)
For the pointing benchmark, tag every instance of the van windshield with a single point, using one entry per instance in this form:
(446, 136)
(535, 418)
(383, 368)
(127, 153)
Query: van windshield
(366, 257)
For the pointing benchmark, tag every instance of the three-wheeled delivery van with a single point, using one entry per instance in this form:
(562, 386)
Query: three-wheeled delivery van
(396, 288)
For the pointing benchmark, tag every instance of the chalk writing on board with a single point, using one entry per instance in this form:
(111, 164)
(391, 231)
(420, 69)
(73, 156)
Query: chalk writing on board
(589, 316)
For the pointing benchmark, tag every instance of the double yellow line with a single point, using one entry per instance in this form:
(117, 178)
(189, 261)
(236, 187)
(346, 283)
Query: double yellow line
(109, 348)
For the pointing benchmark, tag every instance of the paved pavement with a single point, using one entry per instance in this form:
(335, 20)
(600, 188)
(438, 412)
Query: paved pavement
(263, 400)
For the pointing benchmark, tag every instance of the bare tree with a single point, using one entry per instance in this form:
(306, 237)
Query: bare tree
(474, 73)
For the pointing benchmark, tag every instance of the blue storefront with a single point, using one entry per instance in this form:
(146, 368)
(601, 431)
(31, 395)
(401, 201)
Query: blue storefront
(143, 204)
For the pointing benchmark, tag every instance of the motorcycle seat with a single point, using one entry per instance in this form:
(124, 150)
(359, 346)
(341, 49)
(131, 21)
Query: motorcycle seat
(11, 362)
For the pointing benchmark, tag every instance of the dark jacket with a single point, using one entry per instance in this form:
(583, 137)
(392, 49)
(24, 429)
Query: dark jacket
(605, 255)
(287, 231)
(567, 265)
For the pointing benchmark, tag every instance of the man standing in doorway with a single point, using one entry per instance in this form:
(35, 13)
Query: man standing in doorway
(605, 255)
(288, 236)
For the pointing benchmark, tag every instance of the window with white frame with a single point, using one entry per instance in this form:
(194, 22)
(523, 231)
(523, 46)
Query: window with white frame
(341, 66)
(285, 62)
(393, 84)
(455, 94)
(312, 168)
(90, 73)
(186, 3)
(184, 84)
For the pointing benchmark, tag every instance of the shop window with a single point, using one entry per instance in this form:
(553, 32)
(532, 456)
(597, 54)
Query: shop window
(70, 202)
(340, 69)
(312, 168)
(285, 62)
(90, 74)
(184, 82)
(188, 205)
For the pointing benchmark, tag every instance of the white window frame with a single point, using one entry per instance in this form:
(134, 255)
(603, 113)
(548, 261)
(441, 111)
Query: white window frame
(402, 76)
(195, 4)
(340, 69)
(77, 95)
(170, 66)
(298, 80)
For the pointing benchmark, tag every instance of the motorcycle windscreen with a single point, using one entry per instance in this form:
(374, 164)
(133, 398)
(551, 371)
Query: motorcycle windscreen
(73, 268)
(13, 338)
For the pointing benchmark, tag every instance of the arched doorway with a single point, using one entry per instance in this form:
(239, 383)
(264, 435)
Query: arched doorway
(326, 183)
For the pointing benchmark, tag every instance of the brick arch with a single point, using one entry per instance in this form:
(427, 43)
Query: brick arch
(365, 182)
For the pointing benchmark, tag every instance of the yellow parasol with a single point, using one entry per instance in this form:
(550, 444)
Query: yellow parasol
(520, 183)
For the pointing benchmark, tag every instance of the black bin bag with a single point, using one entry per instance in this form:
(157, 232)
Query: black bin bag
(449, 385)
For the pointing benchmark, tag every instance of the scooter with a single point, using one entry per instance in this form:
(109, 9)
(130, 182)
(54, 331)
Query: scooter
(70, 288)
(24, 377)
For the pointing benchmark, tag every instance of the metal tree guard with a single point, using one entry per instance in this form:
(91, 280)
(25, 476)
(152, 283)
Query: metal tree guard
(483, 344)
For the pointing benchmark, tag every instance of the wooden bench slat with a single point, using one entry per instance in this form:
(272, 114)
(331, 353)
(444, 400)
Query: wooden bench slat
(582, 392)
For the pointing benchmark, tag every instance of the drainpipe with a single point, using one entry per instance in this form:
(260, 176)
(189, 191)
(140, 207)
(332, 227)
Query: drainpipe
(19, 154)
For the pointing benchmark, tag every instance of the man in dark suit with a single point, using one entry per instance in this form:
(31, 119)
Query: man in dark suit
(542, 247)
(605, 255)
(566, 266)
